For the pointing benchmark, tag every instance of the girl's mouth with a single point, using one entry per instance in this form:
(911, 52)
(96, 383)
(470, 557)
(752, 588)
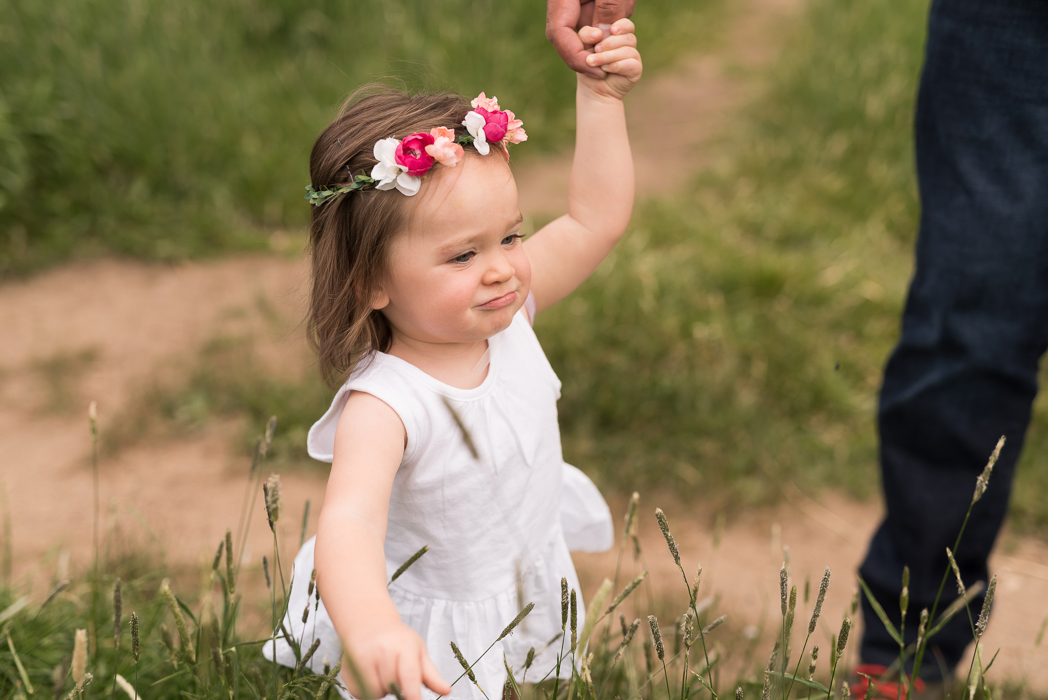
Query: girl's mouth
(500, 302)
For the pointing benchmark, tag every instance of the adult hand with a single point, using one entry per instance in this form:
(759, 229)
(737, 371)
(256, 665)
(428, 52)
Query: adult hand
(565, 17)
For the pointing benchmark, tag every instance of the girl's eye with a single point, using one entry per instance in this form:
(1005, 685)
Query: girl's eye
(511, 239)
(464, 258)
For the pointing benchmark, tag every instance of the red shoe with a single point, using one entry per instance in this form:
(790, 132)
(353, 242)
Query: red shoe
(887, 689)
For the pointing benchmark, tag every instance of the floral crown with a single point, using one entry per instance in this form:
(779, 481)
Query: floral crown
(403, 162)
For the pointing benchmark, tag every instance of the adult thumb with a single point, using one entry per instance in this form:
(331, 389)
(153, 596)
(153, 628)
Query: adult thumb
(607, 11)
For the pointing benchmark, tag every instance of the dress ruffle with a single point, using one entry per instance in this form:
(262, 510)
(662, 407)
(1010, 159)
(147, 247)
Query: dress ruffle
(473, 624)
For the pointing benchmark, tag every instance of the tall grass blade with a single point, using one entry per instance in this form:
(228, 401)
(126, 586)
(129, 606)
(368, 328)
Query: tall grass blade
(883, 616)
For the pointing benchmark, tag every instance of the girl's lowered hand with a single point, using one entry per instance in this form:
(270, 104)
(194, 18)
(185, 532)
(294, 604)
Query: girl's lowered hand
(391, 654)
(616, 55)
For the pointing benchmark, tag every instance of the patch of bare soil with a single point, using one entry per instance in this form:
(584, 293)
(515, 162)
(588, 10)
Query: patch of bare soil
(103, 330)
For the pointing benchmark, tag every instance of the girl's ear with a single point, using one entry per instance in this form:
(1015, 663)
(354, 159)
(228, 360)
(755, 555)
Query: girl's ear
(379, 299)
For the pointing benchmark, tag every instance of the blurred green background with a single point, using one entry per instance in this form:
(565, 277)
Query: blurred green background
(173, 129)
(734, 341)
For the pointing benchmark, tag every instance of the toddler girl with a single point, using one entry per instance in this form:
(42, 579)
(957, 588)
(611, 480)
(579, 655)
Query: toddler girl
(445, 434)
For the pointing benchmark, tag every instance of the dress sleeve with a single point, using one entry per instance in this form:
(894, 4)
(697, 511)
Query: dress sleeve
(529, 306)
(584, 514)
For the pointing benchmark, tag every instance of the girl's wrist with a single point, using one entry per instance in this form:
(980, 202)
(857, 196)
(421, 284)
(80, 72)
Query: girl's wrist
(597, 91)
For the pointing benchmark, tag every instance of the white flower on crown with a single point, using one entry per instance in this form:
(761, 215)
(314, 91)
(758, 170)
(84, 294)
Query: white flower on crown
(389, 173)
(474, 124)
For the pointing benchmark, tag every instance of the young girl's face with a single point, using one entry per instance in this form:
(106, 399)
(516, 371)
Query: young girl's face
(459, 273)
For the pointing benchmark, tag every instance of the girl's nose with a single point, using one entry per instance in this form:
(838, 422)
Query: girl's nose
(499, 269)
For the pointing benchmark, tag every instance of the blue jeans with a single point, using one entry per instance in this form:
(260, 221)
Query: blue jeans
(976, 319)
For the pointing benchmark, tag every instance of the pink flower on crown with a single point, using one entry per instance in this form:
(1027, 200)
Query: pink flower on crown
(515, 129)
(495, 124)
(484, 102)
(412, 155)
(488, 124)
(444, 149)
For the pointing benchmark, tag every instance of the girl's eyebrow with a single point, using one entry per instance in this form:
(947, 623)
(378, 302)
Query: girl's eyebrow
(459, 243)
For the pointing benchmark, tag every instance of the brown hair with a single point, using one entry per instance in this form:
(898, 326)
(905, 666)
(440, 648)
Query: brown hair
(350, 235)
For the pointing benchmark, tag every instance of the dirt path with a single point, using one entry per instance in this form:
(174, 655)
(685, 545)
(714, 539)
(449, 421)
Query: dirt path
(103, 330)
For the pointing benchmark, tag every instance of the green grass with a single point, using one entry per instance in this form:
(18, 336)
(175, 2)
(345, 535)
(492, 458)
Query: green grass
(200, 646)
(169, 130)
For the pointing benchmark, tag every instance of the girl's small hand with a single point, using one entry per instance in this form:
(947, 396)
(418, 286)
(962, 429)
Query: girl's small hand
(616, 54)
(391, 654)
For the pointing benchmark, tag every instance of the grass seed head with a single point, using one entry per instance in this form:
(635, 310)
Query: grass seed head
(791, 611)
(218, 555)
(230, 578)
(694, 592)
(842, 639)
(845, 690)
(516, 621)
(134, 635)
(58, 676)
(656, 636)
(626, 639)
(819, 599)
(118, 612)
(904, 597)
(670, 542)
(622, 623)
(462, 661)
(563, 603)
(312, 583)
(265, 570)
(267, 439)
(408, 564)
(83, 683)
(784, 589)
(272, 491)
(574, 618)
(921, 627)
(956, 572)
(984, 615)
(630, 527)
(814, 658)
(180, 621)
(714, 625)
(984, 479)
(530, 659)
(688, 630)
(79, 667)
(630, 587)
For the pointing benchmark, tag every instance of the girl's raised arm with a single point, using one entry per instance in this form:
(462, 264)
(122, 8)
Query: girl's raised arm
(600, 192)
(350, 558)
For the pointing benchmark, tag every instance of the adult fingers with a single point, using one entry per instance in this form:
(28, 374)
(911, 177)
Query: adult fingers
(431, 677)
(562, 18)
(607, 11)
(409, 676)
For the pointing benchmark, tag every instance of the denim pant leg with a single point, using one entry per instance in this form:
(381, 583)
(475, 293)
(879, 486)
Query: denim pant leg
(976, 319)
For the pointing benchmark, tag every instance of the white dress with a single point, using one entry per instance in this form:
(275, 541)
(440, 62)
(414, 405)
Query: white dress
(499, 526)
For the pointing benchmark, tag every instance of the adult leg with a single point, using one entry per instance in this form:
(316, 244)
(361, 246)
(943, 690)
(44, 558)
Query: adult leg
(976, 320)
